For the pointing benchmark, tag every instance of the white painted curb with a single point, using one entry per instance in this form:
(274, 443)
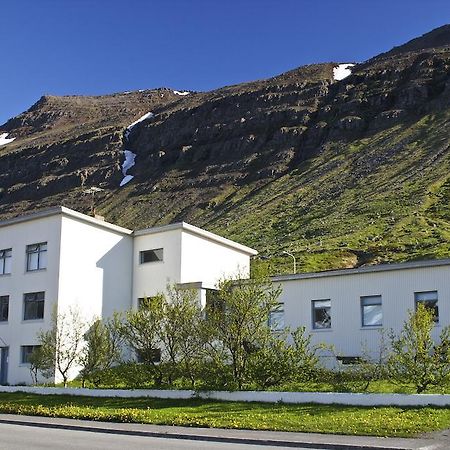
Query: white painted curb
(326, 398)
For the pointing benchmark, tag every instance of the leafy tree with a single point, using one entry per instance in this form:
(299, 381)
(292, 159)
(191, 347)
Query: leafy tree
(415, 357)
(284, 357)
(140, 330)
(181, 333)
(60, 346)
(102, 349)
(238, 320)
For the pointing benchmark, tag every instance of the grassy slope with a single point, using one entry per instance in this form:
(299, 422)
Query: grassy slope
(377, 421)
(386, 198)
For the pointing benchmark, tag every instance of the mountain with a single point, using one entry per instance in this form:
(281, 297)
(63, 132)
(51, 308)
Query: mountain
(340, 172)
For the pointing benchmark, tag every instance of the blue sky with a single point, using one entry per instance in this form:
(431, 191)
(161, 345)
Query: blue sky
(101, 46)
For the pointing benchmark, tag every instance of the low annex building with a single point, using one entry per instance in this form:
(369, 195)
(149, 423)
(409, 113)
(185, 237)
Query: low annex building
(61, 258)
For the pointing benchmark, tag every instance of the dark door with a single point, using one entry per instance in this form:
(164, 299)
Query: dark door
(4, 353)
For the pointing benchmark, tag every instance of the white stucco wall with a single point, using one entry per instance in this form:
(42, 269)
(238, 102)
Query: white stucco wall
(208, 261)
(152, 278)
(397, 288)
(17, 332)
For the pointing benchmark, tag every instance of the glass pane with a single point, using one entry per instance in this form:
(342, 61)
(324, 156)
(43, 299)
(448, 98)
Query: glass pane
(322, 318)
(7, 265)
(32, 263)
(276, 320)
(43, 260)
(430, 295)
(372, 315)
(322, 303)
(371, 300)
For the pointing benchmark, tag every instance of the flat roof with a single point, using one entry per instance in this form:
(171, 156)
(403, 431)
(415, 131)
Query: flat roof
(101, 223)
(198, 232)
(66, 212)
(365, 269)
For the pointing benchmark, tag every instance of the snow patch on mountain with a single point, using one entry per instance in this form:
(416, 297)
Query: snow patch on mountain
(129, 161)
(4, 140)
(141, 119)
(182, 93)
(342, 71)
(126, 180)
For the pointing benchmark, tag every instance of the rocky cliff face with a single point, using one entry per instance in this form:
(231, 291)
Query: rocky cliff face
(342, 172)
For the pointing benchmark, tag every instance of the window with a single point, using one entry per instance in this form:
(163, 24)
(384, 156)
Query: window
(5, 261)
(430, 300)
(276, 318)
(33, 308)
(145, 301)
(36, 256)
(321, 310)
(151, 255)
(25, 353)
(4, 308)
(371, 311)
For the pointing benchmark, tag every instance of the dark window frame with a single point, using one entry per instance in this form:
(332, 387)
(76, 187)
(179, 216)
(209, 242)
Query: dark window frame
(434, 307)
(24, 354)
(32, 249)
(5, 253)
(33, 300)
(4, 306)
(151, 255)
(362, 305)
(315, 309)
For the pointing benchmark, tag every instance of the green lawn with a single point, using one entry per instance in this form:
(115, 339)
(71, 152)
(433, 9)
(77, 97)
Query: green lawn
(376, 421)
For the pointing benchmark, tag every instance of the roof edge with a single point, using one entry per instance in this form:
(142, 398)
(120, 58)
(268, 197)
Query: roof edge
(365, 269)
(199, 232)
(63, 211)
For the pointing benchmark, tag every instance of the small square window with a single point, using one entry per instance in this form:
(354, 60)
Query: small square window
(276, 318)
(25, 353)
(37, 256)
(430, 300)
(5, 261)
(321, 310)
(4, 308)
(154, 255)
(33, 306)
(371, 311)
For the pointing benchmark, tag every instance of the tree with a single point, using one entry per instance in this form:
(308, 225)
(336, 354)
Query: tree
(140, 330)
(181, 333)
(60, 346)
(415, 357)
(284, 356)
(238, 320)
(102, 349)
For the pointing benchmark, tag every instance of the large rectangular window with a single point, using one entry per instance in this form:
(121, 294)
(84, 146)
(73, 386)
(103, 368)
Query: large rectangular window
(5, 261)
(430, 300)
(321, 314)
(151, 255)
(4, 308)
(25, 353)
(371, 311)
(37, 256)
(276, 318)
(33, 306)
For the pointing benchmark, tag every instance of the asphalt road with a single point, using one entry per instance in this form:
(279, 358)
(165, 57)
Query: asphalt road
(21, 437)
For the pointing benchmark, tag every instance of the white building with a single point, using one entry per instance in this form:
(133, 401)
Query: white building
(348, 308)
(59, 258)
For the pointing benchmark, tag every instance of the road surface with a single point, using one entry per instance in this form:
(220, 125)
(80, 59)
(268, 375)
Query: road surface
(19, 437)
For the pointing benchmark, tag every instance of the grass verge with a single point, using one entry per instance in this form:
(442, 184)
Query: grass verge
(338, 419)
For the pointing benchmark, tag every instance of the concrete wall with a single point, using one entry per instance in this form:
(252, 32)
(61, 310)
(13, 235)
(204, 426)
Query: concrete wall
(152, 278)
(251, 396)
(347, 334)
(17, 332)
(95, 274)
(208, 261)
